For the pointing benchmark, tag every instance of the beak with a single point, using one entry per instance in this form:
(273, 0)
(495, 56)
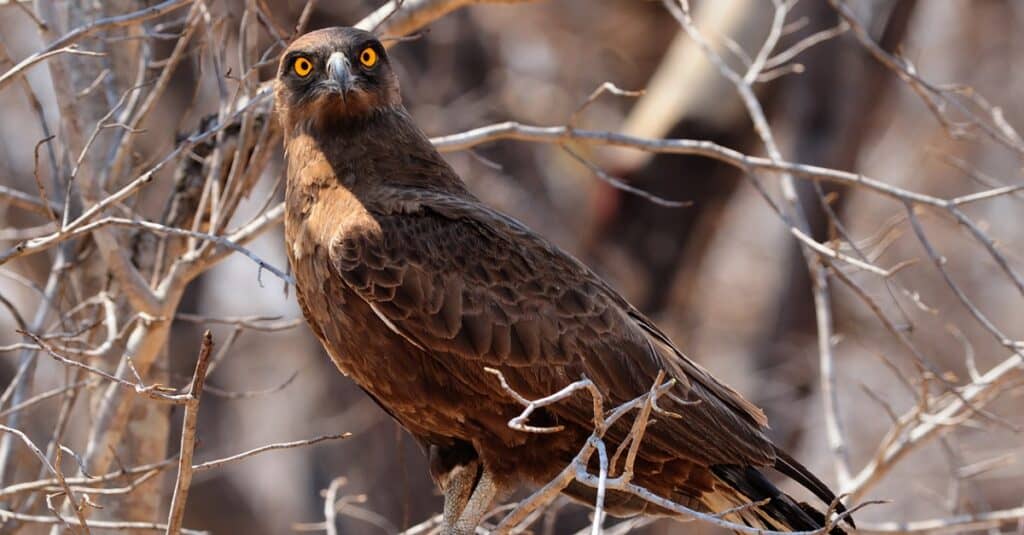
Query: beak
(338, 71)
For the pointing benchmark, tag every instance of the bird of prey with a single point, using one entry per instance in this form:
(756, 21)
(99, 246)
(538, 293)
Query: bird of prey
(415, 288)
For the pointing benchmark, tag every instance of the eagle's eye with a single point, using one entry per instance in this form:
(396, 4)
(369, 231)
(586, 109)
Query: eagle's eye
(368, 57)
(302, 67)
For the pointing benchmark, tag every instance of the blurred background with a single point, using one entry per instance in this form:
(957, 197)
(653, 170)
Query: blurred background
(722, 275)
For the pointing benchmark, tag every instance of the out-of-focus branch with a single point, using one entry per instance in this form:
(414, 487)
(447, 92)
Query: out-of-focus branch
(24, 64)
(27, 202)
(330, 508)
(992, 520)
(402, 17)
(915, 427)
(59, 476)
(96, 524)
(43, 396)
(129, 189)
(79, 483)
(935, 97)
(154, 392)
(157, 228)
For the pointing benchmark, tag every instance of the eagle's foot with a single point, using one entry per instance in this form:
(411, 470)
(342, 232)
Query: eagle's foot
(468, 487)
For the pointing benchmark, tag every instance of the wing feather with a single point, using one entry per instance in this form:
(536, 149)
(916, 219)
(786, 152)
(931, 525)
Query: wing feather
(464, 282)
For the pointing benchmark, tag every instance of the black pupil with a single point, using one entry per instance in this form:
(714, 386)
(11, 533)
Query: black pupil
(366, 56)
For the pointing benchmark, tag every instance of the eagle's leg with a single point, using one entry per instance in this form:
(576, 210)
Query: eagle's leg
(457, 471)
(457, 486)
(478, 505)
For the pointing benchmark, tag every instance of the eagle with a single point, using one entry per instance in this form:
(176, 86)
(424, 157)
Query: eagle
(418, 291)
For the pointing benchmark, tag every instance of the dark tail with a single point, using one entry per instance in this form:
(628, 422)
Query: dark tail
(782, 508)
(797, 472)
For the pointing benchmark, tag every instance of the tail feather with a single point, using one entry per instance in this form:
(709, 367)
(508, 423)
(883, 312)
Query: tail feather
(727, 498)
(797, 472)
(785, 511)
(736, 487)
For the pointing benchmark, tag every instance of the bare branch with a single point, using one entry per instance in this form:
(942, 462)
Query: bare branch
(269, 447)
(188, 438)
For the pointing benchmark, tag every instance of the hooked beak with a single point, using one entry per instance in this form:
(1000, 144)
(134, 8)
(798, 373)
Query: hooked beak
(339, 73)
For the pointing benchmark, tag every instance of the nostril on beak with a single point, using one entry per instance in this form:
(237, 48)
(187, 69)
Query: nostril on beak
(338, 70)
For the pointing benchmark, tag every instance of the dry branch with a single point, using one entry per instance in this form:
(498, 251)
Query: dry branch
(188, 437)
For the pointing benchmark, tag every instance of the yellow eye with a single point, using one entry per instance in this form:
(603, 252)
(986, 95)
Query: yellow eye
(368, 57)
(302, 67)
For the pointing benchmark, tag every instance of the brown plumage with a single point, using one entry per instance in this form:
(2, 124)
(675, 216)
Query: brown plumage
(413, 286)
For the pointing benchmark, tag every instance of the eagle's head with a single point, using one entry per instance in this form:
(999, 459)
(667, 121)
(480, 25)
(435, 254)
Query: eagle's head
(334, 75)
